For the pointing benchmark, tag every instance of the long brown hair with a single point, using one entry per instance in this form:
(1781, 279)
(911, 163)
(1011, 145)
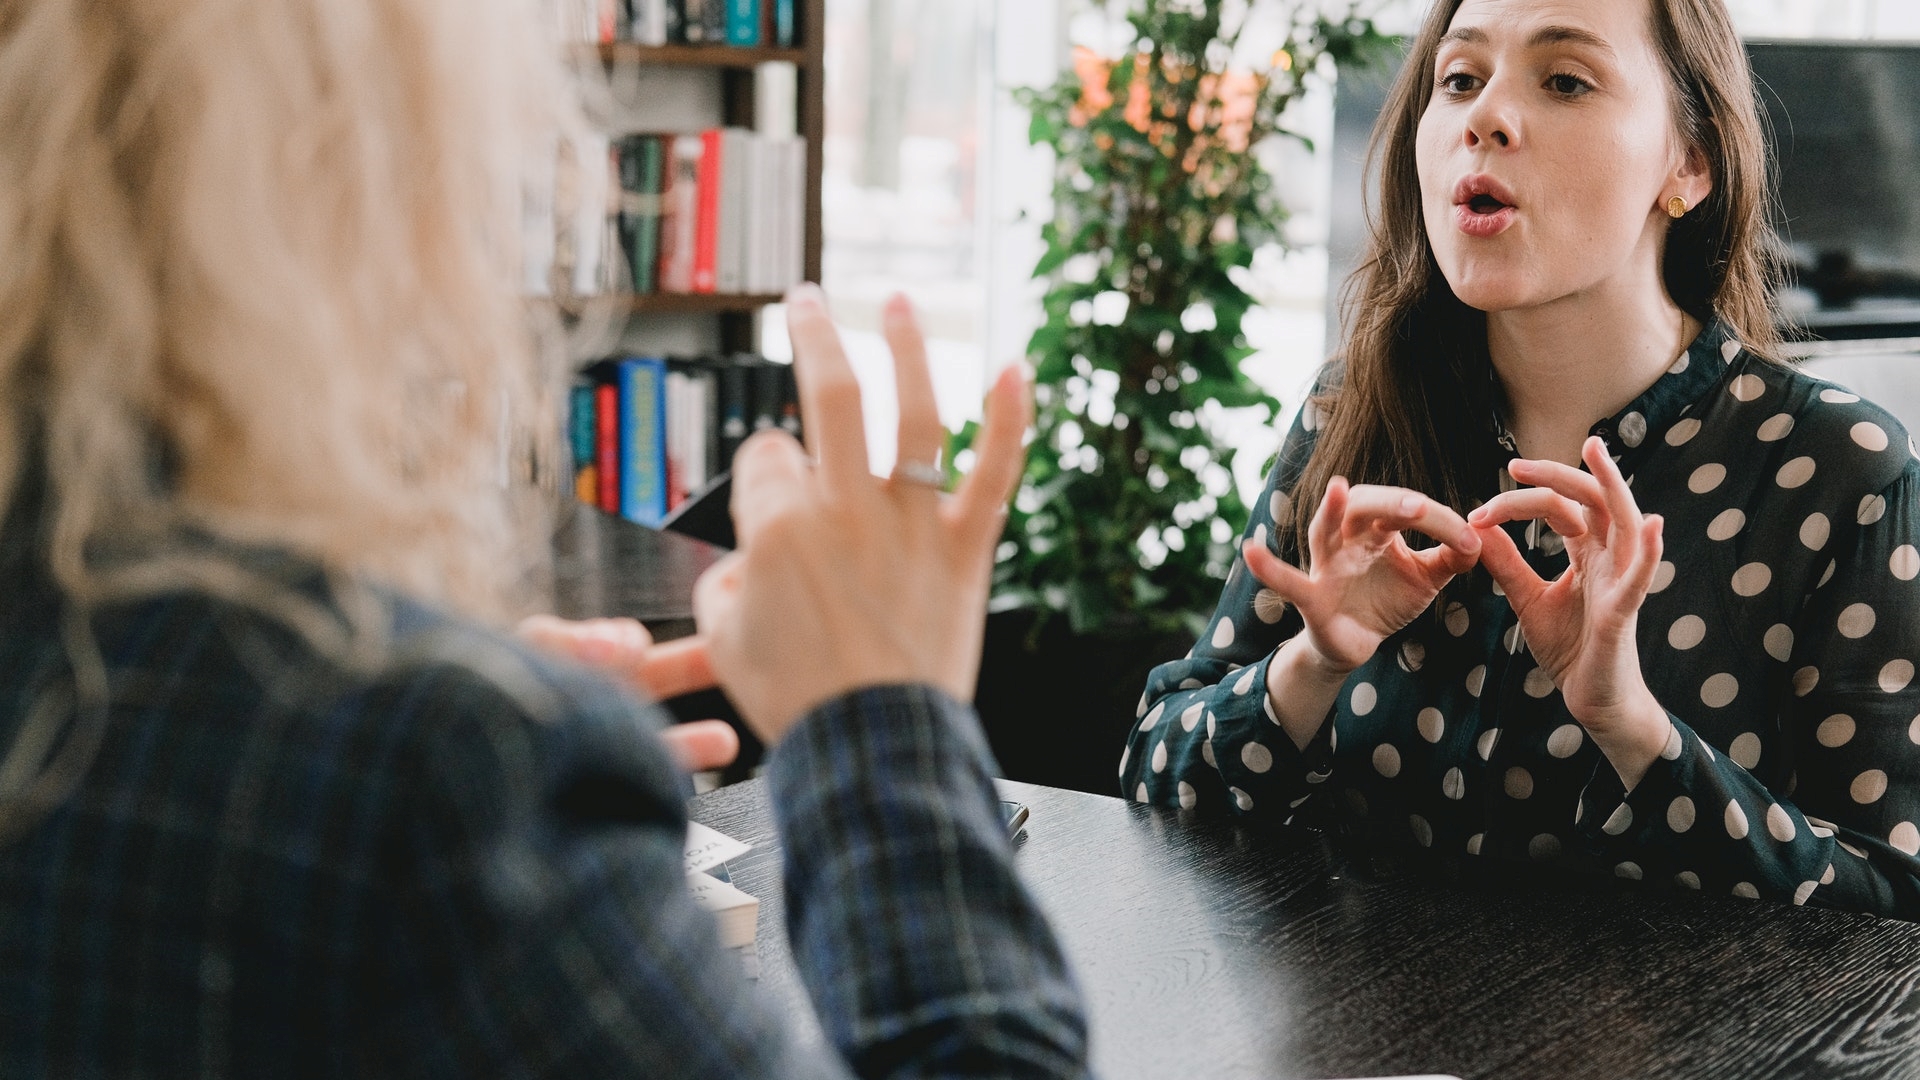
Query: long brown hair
(1416, 399)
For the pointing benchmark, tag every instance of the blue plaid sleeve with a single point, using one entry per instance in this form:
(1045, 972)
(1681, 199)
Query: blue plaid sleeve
(923, 952)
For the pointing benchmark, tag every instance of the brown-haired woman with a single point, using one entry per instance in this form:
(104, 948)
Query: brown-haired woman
(1565, 324)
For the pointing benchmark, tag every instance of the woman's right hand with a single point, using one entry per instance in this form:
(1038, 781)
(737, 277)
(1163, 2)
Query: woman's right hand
(1364, 582)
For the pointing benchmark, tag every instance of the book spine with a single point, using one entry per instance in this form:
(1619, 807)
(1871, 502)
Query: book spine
(580, 436)
(776, 90)
(793, 214)
(769, 393)
(693, 20)
(643, 446)
(677, 479)
(743, 23)
(734, 408)
(736, 180)
(783, 23)
(706, 251)
(713, 17)
(606, 22)
(673, 21)
(606, 445)
(679, 225)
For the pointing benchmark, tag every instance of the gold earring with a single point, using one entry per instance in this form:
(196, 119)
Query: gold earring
(1676, 207)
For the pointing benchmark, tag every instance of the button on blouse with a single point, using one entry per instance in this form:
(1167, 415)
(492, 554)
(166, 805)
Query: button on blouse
(1781, 635)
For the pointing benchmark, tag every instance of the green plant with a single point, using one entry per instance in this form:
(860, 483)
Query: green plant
(1126, 518)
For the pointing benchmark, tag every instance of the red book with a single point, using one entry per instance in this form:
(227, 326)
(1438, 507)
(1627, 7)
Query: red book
(606, 444)
(706, 249)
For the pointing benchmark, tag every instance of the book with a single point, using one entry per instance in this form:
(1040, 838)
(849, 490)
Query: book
(680, 215)
(580, 441)
(734, 216)
(783, 23)
(641, 168)
(776, 96)
(706, 247)
(647, 21)
(643, 440)
(606, 443)
(743, 23)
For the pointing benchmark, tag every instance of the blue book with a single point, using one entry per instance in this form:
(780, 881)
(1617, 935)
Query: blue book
(783, 23)
(743, 22)
(643, 440)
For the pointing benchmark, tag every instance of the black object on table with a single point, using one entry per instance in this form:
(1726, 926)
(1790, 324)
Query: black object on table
(1210, 950)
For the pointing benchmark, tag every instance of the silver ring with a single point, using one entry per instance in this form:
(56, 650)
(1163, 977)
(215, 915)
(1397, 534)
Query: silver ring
(920, 472)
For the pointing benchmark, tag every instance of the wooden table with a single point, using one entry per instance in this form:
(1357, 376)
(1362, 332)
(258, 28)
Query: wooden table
(1208, 950)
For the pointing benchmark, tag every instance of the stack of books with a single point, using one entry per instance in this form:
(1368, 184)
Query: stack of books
(649, 432)
(711, 883)
(721, 211)
(741, 23)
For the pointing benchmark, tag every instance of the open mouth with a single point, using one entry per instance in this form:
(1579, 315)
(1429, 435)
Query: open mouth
(1485, 204)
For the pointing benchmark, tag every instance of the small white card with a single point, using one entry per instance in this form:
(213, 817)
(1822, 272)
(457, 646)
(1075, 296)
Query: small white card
(707, 847)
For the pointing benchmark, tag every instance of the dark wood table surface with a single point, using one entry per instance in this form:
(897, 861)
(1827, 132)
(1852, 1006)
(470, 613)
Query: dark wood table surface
(605, 565)
(1210, 950)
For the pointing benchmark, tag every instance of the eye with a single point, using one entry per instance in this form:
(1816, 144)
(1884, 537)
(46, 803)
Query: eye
(1568, 85)
(1458, 82)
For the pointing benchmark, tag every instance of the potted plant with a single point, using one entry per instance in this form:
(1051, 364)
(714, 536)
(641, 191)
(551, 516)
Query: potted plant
(1124, 526)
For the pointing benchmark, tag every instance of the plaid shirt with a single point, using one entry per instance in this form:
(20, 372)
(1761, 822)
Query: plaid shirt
(464, 860)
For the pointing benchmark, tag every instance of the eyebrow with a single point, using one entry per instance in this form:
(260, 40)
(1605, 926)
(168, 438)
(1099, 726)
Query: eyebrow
(1546, 35)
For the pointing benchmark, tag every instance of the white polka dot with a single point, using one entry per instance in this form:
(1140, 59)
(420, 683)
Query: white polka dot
(1905, 562)
(1160, 757)
(1805, 680)
(1814, 532)
(1801, 894)
(1269, 606)
(1476, 680)
(1745, 750)
(1422, 832)
(1683, 432)
(1241, 799)
(1431, 724)
(1126, 753)
(1752, 579)
(1619, 821)
(1704, 748)
(1514, 639)
(1775, 428)
(1730, 349)
(1386, 760)
(1686, 632)
(1868, 787)
(1851, 850)
(1318, 777)
(1363, 699)
(1746, 890)
(1680, 814)
(1869, 435)
(1779, 641)
(1662, 577)
(1206, 751)
(1706, 478)
(1485, 743)
(1544, 846)
(1835, 731)
(1474, 843)
(1687, 879)
(1190, 719)
(1538, 683)
(1245, 682)
(1827, 878)
(1223, 633)
(1628, 870)
(1413, 656)
(1188, 796)
(1872, 509)
(1736, 821)
(1153, 717)
(1256, 757)
(1913, 731)
(1190, 684)
(1565, 740)
(1727, 524)
(1457, 620)
(1905, 837)
(1821, 829)
(1679, 365)
(1780, 823)
(1857, 621)
(1838, 397)
(1454, 785)
(1827, 575)
(1633, 429)
(1747, 387)
(1719, 691)
(1140, 793)
(1795, 473)
(1671, 751)
(1895, 676)
(1518, 783)
(1280, 508)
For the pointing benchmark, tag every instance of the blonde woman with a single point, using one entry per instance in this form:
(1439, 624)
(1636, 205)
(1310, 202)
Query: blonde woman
(274, 798)
(1659, 618)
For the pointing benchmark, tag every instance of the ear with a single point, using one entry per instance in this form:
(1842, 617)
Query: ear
(1692, 178)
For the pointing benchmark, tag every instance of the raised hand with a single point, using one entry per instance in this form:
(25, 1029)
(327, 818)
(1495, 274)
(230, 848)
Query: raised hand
(1581, 626)
(625, 650)
(1364, 582)
(844, 580)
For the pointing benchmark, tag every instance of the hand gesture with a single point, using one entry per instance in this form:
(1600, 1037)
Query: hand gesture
(844, 580)
(625, 650)
(1581, 626)
(1364, 582)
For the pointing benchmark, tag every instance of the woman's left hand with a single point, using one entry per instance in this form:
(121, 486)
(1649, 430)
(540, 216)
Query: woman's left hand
(1581, 626)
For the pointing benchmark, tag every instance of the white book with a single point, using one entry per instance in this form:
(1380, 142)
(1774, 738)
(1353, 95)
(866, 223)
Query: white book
(762, 217)
(793, 232)
(588, 212)
(650, 22)
(737, 156)
(776, 98)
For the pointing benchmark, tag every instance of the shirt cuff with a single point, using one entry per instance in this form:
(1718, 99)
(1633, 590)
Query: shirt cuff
(1614, 820)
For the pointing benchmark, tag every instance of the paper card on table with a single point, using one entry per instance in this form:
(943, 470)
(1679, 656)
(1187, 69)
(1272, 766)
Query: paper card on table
(736, 912)
(708, 847)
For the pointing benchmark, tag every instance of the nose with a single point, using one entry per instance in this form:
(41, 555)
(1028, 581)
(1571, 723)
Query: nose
(1492, 118)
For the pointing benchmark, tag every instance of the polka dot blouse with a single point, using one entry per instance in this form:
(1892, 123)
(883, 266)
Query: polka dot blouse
(1781, 635)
